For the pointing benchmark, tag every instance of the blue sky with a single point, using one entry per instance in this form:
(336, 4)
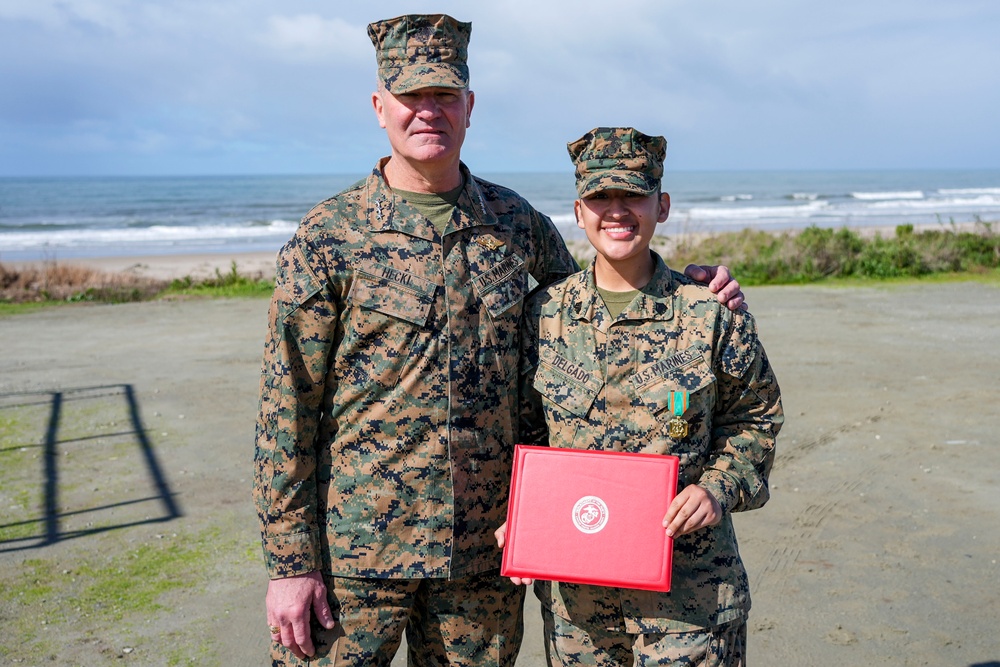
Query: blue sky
(227, 87)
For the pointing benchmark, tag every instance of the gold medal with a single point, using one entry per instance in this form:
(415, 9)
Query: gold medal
(677, 427)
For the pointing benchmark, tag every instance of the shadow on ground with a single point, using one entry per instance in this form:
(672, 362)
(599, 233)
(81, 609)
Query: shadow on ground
(54, 431)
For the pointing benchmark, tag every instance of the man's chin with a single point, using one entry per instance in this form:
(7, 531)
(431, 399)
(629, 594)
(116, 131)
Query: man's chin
(434, 152)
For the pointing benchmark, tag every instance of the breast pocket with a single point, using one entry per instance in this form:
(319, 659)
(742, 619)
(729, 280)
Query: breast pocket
(568, 398)
(502, 290)
(685, 388)
(388, 318)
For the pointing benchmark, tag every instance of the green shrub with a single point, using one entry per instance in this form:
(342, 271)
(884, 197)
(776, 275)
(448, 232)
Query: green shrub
(230, 284)
(815, 253)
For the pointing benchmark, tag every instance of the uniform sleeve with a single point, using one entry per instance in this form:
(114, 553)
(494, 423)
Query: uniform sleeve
(554, 260)
(299, 339)
(747, 417)
(531, 422)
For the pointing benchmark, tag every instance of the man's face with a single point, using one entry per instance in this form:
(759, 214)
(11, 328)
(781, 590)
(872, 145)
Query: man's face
(620, 224)
(425, 125)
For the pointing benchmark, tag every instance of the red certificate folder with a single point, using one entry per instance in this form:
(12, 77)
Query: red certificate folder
(590, 517)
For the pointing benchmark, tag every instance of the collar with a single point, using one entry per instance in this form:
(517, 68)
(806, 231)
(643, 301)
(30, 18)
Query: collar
(655, 301)
(387, 212)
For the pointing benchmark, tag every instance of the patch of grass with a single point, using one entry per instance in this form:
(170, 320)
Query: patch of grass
(198, 654)
(132, 583)
(32, 589)
(36, 583)
(20, 468)
(20, 530)
(10, 431)
(114, 586)
(229, 285)
(7, 309)
(981, 277)
(109, 586)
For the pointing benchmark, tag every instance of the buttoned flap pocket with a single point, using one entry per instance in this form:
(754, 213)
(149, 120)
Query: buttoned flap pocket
(503, 286)
(566, 385)
(386, 327)
(658, 384)
(392, 292)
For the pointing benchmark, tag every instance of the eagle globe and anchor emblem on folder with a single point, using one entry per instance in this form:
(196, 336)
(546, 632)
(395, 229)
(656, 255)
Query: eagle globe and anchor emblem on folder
(590, 514)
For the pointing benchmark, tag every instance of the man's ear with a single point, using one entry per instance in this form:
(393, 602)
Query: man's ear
(664, 207)
(377, 105)
(468, 113)
(577, 206)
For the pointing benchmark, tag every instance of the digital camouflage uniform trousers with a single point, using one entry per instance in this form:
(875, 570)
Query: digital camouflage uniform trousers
(567, 644)
(590, 381)
(474, 620)
(388, 406)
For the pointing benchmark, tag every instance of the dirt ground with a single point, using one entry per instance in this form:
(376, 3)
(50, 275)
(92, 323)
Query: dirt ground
(129, 432)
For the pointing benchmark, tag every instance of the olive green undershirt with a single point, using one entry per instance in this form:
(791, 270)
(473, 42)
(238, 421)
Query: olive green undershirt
(617, 301)
(438, 207)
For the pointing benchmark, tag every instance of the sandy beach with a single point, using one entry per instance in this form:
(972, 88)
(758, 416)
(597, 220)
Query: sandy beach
(169, 267)
(127, 438)
(207, 265)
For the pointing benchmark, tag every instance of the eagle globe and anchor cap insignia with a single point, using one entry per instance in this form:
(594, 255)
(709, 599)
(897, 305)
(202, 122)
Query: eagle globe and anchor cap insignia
(590, 514)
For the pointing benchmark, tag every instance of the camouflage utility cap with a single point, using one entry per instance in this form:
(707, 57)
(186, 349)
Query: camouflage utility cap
(617, 158)
(421, 51)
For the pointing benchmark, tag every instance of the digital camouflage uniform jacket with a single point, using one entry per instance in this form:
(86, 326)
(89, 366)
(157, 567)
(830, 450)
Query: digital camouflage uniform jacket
(389, 385)
(606, 385)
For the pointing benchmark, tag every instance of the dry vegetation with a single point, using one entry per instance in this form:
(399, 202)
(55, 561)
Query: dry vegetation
(51, 281)
(755, 257)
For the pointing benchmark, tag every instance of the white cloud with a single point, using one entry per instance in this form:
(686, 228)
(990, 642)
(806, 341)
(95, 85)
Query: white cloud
(44, 12)
(107, 15)
(313, 38)
(771, 83)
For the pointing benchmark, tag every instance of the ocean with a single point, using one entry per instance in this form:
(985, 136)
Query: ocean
(63, 218)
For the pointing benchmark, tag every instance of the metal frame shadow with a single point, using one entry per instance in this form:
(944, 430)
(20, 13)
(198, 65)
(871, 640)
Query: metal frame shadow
(53, 533)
